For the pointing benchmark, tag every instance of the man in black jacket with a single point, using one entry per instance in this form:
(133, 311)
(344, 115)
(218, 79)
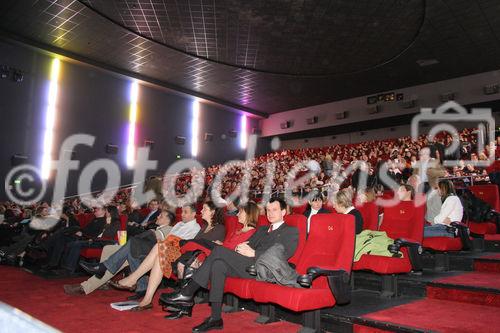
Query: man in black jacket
(222, 263)
(91, 231)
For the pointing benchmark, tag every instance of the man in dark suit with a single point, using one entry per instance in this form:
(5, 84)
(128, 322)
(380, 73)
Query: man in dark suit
(315, 207)
(144, 223)
(222, 263)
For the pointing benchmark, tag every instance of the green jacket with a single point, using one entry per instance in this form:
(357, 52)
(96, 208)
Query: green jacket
(374, 243)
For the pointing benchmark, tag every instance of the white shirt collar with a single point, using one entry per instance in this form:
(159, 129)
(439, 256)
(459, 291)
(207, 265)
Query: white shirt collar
(277, 225)
(348, 210)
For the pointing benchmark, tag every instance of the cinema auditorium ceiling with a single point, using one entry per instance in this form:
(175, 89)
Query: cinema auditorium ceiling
(267, 56)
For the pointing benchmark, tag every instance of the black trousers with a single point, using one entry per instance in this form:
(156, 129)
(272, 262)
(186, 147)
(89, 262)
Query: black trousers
(219, 265)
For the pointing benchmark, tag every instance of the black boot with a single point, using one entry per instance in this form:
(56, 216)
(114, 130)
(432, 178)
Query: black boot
(209, 324)
(94, 269)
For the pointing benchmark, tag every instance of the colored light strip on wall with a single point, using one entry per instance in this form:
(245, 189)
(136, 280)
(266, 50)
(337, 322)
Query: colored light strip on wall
(195, 127)
(50, 118)
(134, 94)
(243, 132)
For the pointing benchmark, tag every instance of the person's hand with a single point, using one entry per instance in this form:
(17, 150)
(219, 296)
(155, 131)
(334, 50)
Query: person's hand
(245, 250)
(447, 221)
(217, 242)
(79, 234)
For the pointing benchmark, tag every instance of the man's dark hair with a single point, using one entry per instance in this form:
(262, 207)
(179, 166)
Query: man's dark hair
(281, 201)
(171, 217)
(191, 206)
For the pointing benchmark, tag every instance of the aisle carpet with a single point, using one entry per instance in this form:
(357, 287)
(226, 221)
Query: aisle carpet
(46, 300)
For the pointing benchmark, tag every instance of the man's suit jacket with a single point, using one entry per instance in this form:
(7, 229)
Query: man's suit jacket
(262, 240)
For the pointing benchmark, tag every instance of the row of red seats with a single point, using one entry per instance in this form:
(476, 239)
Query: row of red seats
(329, 245)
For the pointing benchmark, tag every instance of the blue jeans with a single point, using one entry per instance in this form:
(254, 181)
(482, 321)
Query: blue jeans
(437, 230)
(117, 259)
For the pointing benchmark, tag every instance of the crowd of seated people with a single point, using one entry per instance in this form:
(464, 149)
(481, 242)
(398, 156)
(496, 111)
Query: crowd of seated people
(402, 156)
(156, 241)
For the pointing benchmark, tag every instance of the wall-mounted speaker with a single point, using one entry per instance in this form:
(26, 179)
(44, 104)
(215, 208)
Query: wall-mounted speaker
(375, 109)
(312, 120)
(18, 159)
(491, 89)
(341, 115)
(180, 140)
(111, 149)
(149, 143)
(446, 97)
(256, 131)
(209, 137)
(286, 124)
(232, 133)
(409, 104)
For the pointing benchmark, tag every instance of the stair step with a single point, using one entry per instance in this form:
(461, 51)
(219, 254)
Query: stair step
(438, 316)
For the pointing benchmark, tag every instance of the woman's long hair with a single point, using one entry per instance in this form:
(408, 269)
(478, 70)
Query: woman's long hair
(252, 211)
(218, 217)
(446, 187)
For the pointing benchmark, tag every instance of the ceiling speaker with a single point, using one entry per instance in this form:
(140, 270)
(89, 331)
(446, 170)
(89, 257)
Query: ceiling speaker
(111, 149)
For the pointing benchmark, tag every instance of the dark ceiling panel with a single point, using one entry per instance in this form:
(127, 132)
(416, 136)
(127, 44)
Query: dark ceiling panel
(268, 56)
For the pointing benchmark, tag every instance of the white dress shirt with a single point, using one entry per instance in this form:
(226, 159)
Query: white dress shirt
(452, 209)
(277, 225)
(185, 230)
(313, 212)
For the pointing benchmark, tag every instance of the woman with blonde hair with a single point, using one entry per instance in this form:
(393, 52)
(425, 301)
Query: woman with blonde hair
(342, 202)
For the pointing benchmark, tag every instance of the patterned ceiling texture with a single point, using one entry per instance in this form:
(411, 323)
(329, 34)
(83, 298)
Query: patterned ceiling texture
(267, 56)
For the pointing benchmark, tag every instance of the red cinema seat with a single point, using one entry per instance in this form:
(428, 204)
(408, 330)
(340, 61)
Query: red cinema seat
(443, 244)
(231, 225)
(402, 221)
(369, 212)
(489, 194)
(330, 246)
(241, 287)
(262, 221)
(95, 253)
(299, 209)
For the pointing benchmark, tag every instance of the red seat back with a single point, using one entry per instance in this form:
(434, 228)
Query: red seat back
(144, 212)
(123, 222)
(231, 224)
(404, 220)
(299, 209)
(369, 212)
(330, 245)
(487, 193)
(299, 222)
(84, 219)
(263, 221)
